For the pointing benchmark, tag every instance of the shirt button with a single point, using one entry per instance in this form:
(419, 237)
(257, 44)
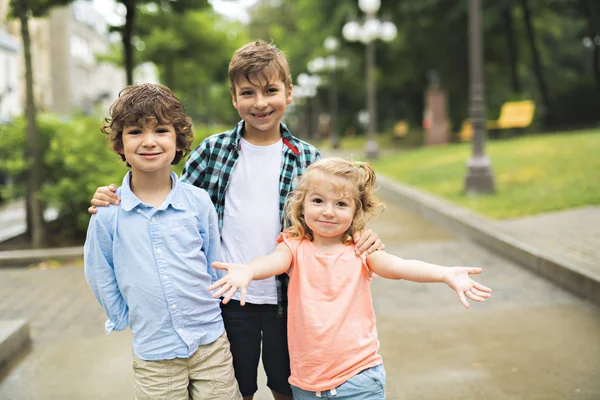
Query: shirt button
(165, 278)
(180, 330)
(159, 251)
(138, 211)
(153, 219)
(173, 307)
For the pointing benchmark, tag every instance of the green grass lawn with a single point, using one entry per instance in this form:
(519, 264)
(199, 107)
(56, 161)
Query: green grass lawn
(533, 174)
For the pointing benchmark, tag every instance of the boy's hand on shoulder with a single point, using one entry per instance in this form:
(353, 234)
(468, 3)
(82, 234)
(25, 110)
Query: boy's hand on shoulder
(238, 277)
(459, 280)
(368, 241)
(104, 196)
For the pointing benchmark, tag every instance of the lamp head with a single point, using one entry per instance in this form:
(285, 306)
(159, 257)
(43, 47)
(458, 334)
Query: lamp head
(352, 31)
(369, 6)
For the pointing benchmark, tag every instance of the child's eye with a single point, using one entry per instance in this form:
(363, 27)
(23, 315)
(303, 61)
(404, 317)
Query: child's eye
(134, 132)
(162, 130)
(246, 93)
(272, 90)
(318, 201)
(342, 204)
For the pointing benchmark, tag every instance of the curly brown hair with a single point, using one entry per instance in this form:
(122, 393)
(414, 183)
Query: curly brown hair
(353, 179)
(142, 104)
(257, 60)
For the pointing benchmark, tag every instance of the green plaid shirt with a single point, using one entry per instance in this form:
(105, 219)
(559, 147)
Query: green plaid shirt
(211, 164)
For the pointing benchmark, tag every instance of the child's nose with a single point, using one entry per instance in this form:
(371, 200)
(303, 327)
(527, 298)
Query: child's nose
(149, 140)
(260, 102)
(328, 210)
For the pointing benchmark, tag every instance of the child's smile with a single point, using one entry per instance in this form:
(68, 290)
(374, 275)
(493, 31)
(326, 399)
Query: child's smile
(262, 116)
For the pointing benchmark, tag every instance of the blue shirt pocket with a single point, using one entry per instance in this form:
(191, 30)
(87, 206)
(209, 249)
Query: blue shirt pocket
(184, 235)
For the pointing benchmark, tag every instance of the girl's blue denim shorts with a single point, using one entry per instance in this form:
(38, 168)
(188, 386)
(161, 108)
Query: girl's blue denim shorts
(368, 384)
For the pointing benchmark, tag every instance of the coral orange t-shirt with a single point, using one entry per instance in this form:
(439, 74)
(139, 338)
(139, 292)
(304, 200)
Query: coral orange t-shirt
(332, 334)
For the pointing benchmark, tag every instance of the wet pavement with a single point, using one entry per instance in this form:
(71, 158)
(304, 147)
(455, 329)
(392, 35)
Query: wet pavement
(532, 340)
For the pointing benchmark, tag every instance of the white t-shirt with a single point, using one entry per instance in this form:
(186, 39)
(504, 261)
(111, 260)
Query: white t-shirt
(251, 222)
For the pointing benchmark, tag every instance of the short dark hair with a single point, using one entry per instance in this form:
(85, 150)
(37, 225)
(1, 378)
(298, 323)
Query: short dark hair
(137, 105)
(258, 58)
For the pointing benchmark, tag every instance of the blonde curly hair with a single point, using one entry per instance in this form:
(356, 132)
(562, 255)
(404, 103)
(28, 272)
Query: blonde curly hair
(353, 179)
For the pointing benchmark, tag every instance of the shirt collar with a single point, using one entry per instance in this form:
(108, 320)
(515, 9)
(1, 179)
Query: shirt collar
(129, 200)
(288, 139)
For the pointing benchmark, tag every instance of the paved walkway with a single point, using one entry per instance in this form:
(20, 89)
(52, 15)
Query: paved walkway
(570, 234)
(532, 340)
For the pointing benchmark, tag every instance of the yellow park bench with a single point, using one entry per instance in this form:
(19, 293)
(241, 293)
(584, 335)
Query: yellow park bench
(401, 129)
(513, 114)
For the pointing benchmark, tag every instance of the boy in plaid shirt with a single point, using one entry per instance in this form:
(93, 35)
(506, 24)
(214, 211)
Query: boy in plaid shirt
(248, 173)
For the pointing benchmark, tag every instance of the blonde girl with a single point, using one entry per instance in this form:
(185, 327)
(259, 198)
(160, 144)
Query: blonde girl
(332, 335)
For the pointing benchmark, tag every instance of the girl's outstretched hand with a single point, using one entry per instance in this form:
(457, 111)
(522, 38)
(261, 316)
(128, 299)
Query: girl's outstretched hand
(458, 279)
(238, 277)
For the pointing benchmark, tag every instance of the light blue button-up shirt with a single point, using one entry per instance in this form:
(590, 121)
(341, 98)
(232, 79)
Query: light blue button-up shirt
(150, 268)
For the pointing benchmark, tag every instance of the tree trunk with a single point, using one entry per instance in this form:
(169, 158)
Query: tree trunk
(170, 72)
(35, 214)
(537, 64)
(590, 11)
(512, 48)
(127, 36)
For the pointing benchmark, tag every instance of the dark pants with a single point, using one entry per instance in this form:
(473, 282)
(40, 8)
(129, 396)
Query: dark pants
(246, 328)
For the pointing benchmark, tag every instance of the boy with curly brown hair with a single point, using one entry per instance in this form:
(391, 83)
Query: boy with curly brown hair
(148, 261)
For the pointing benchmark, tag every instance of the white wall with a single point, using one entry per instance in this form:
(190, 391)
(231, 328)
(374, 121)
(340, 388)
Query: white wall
(10, 105)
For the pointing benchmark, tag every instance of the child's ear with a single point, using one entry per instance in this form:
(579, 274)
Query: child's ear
(233, 98)
(288, 100)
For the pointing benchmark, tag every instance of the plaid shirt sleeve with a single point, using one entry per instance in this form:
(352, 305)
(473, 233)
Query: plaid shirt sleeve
(195, 167)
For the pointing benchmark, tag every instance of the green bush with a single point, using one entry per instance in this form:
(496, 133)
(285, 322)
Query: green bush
(76, 161)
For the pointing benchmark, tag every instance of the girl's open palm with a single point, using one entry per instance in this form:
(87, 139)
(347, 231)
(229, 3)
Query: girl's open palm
(238, 277)
(458, 279)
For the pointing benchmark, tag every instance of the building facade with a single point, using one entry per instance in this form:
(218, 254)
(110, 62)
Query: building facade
(9, 77)
(68, 76)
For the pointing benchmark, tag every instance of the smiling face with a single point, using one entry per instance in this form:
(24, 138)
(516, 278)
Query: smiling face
(261, 103)
(328, 210)
(150, 148)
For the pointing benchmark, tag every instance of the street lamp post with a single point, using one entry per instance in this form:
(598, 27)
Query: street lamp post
(330, 64)
(367, 33)
(479, 175)
(308, 88)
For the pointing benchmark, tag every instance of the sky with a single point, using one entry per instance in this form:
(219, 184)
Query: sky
(234, 9)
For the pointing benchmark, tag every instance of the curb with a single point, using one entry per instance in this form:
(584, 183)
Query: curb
(14, 338)
(481, 230)
(20, 258)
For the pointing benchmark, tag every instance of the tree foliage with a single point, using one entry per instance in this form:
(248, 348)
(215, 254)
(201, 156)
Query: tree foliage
(129, 28)
(192, 51)
(533, 50)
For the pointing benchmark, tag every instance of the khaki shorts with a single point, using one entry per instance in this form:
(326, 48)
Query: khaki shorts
(206, 375)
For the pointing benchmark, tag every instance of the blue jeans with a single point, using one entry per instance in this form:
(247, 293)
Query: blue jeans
(368, 384)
